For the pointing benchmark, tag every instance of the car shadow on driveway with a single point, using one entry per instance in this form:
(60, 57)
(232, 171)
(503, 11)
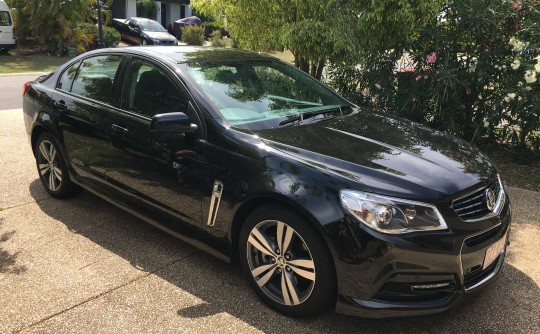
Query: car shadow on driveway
(507, 305)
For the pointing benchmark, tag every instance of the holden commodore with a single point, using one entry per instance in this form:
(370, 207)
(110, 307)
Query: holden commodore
(324, 204)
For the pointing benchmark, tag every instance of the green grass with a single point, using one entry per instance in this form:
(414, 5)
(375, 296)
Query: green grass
(34, 63)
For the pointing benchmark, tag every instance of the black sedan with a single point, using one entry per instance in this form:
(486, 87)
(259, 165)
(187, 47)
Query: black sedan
(142, 31)
(323, 204)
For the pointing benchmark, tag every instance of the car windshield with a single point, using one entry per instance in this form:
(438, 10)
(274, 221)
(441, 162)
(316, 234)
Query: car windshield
(151, 26)
(263, 94)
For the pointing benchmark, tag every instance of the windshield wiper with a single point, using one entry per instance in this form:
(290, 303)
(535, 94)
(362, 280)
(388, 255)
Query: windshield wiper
(306, 115)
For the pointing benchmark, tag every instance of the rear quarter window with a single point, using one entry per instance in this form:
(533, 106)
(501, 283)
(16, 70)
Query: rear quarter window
(66, 80)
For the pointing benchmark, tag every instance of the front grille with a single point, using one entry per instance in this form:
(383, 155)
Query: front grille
(477, 274)
(485, 236)
(473, 206)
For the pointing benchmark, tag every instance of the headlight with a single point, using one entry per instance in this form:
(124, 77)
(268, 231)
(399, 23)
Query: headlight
(392, 215)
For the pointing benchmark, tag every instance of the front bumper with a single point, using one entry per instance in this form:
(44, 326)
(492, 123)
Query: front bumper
(388, 276)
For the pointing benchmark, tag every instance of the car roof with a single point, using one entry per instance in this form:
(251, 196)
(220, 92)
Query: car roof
(184, 54)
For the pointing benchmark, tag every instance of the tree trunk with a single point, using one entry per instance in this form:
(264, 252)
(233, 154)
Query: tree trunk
(320, 67)
(304, 65)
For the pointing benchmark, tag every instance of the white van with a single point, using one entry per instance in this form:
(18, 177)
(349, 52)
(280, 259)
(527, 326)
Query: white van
(7, 36)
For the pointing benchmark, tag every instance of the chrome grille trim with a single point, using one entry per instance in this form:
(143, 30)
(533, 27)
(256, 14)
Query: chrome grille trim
(472, 207)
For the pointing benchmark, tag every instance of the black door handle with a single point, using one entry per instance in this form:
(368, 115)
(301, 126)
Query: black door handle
(60, 104)
(118, 128)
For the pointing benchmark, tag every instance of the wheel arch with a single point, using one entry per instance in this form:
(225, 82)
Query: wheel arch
(36, 132)
(250, 205)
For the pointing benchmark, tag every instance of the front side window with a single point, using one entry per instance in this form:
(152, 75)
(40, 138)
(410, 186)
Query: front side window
(261, 94)
(95, 78)
(149, 90)
(5, 18)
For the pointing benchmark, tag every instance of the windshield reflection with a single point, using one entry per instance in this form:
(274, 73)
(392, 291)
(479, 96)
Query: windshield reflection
(260, 94)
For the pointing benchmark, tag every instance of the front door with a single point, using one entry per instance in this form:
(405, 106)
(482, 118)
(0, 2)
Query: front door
(160, 170)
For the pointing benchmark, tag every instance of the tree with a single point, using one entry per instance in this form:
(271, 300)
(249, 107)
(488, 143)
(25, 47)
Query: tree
(472, 71)
(319, 31)
(147, 8)
(51, 23)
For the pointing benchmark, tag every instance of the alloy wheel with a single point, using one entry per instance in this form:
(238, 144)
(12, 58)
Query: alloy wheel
(49, 165)
(280, 262)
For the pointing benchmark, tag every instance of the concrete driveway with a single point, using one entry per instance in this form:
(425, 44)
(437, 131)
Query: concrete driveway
(84, 266)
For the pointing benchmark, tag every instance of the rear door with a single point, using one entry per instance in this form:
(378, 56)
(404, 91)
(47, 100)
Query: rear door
(85, 95)
(6, 28)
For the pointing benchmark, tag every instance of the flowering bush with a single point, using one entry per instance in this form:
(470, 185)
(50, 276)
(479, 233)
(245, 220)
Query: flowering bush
(473, 71)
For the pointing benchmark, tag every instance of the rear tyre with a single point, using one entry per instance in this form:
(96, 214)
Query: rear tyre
(287, 262)
(52, 168)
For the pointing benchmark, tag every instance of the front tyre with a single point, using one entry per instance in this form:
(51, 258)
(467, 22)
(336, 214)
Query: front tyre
(52, 168)
(287, 262)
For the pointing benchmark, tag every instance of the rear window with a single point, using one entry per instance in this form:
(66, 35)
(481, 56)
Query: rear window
(5, 18)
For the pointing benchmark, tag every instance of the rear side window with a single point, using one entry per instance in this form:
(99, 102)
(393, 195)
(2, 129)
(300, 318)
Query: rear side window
(67, 77)
(5, 18)
(95, 78)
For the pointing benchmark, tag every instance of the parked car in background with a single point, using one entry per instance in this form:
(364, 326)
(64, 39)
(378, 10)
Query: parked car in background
(175, 28)
(143, 31)
(323, 203)
(7, 34)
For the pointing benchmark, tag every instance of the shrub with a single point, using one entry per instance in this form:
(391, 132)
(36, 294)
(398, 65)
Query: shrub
(111, 37)
(86, 37)
(210, 27)
(471, 72)
(193, 35)
(216, 39)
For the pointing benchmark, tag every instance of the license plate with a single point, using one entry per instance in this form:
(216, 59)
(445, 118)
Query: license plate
(494, 251)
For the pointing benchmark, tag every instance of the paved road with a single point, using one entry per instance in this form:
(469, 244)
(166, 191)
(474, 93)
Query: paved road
(11, 90)
(84, 266)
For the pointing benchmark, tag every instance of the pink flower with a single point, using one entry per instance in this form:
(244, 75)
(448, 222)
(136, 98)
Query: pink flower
(425, 77)
(418, 77)
(517, 5)
(431, 58)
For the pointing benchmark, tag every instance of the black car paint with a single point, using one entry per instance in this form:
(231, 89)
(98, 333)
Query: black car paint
(135, 35)
(301, 167)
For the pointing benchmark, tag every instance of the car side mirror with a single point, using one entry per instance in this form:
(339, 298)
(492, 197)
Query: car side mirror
(172, 122)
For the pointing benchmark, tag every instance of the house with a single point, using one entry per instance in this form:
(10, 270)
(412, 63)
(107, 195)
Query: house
(168, 10)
